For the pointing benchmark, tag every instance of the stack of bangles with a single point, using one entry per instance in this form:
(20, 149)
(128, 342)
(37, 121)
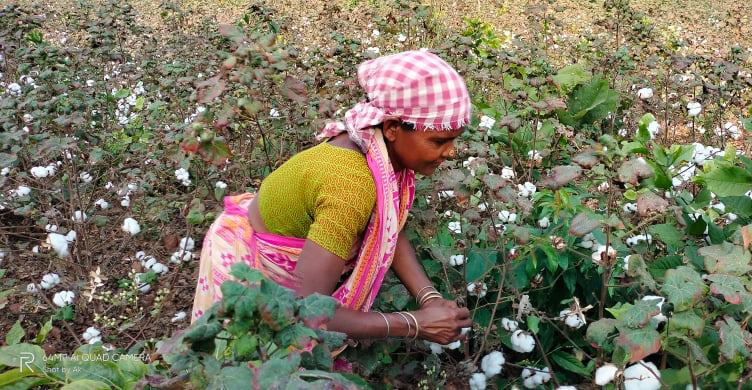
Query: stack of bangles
(406, 316)
(430, 293)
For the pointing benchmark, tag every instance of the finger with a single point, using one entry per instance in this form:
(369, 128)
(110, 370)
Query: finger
(452, 304)
(465, 323)
(462, 313)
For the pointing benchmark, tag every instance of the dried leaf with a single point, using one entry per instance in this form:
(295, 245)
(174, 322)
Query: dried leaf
(584, 223)
(586, 159)
(561, 175)
(649, 202)
(633, 171)
(295, 90)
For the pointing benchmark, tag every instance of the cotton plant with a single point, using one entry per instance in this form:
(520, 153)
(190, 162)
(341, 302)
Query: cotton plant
(522, 341)
(63, 298)
(49, 281)
(534, 377)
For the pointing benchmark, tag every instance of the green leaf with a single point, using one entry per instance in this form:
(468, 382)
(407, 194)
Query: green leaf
(15, 334)
(731, 287)
(479, 262)
(316, 309)
(245, 346)
(295, 335)
(739, 205)
(683, 287)
(688, 320)
(659, 266)
(89, 362)
(533, 324)
(728, 181)
(697, 352)
(599, 331)
(570, 363)
(589, 103)
(121, 93)
(572, 75)
(276, 305)
(726, 258)
(86, 384)
(132, 369)
(13, 376)
(26, 383)
(734, 339)
(638, 269)
(667, 233)
(639, 343)
(239, 299)
(31, 356)
(274, 369)
(640, 313)
(243, 272)
(229, 378)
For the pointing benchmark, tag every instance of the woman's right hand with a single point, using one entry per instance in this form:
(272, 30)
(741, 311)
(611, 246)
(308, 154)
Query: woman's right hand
(442, 324)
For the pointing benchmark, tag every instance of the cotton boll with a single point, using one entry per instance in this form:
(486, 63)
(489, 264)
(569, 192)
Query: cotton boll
(39, 172)
(186, 243)
(85, 177)
(509, 325)
(526, 190)
(630, 208)
(660, 317)
(507, 173)
(605, 374)
(131, 226)
(478, 289)
(720, 207)
(92, 335)
(588, 241)
(566, 388)
(654, 128)
(486, 122)
(50, 228)
(571, 319)
(79, 216)
(5, 171)
(22, 191)
(31, 288)
(597, 256)
(639, 376)
(544, 222)
(59, 244)
(694, 108)
(492, 363)
(522, 341)
(456, 260)
(49, 281)
(220, 184)
(435, 348)
(691, 387)
(731, 217)
(645, 93)
(506, 216)
(477, 381)
(102, 204)
(401, 37)
(181, 255)
(179, 316)
(160, 268)
(63, 298)
(126, 201)
(148, 261)
(446, 194)
(71, 236)
(453, 345)
(455, 227)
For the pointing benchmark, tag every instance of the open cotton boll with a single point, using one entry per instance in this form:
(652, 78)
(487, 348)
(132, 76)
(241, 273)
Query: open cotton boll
(639, 376)
(186, 243)
(85, 177)
(605, 374)
(148, 261)
(453, 345)
(694, 108)
(39, 172)
(63, 298)
(588, 241)
(597, 256)
(477, 381)
(630, 208)
(59, 244)
(532, 378)
(544, 222)
(566, 388)
(131, 226)
(509, 325)
(446, 194)
(179, 316)
(660, 317)
(720, 207)
(492, 363)
(456, 260)
(102, 204)
(92, 335)
(535, 156)
(49, 281)
(5, 171)
(486, 122)
(71, 236)
(455, 227)
(50, 228)
(506, 216)
(22, 191)
(126, 201)
(526, 190)
(654, 128)
(31, 288)
(571, 319)
(522, 341)
(645, 93)
(507, 173)
(478, 289)
(220, 184)
(159, 268)
(79, 216)
(435, 348)
(181, 255)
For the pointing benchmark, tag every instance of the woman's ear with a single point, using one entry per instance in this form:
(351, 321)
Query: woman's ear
(391, 129)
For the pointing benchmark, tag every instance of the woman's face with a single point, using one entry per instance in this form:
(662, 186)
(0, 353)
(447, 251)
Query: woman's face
(421, 151)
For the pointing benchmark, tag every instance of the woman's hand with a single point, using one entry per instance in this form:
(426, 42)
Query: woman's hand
(442, 323)
(439, 302)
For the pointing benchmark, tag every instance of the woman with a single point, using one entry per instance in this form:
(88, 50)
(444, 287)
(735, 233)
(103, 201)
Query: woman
(340, 206)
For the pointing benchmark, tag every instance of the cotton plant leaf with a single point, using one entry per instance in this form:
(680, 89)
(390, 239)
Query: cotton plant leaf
(734, 340)
(689, 320)
(639, 343)
(584, 223)
(634, 170)
(649, 203)
(599, 331)
(726, 258)
(640, 313)
(561, 175)
(683, 287)
(731, 287)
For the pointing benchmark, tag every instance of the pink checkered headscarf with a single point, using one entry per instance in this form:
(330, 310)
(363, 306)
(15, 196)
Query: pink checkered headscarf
(416, 87)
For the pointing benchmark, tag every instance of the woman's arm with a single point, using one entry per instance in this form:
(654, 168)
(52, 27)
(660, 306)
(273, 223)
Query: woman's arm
(319, 270)
(411, 273)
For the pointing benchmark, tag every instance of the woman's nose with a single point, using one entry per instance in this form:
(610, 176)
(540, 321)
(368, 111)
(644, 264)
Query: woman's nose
(450, 152)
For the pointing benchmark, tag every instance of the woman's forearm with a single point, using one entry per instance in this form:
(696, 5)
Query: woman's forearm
(407, 267)
(361, 325)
